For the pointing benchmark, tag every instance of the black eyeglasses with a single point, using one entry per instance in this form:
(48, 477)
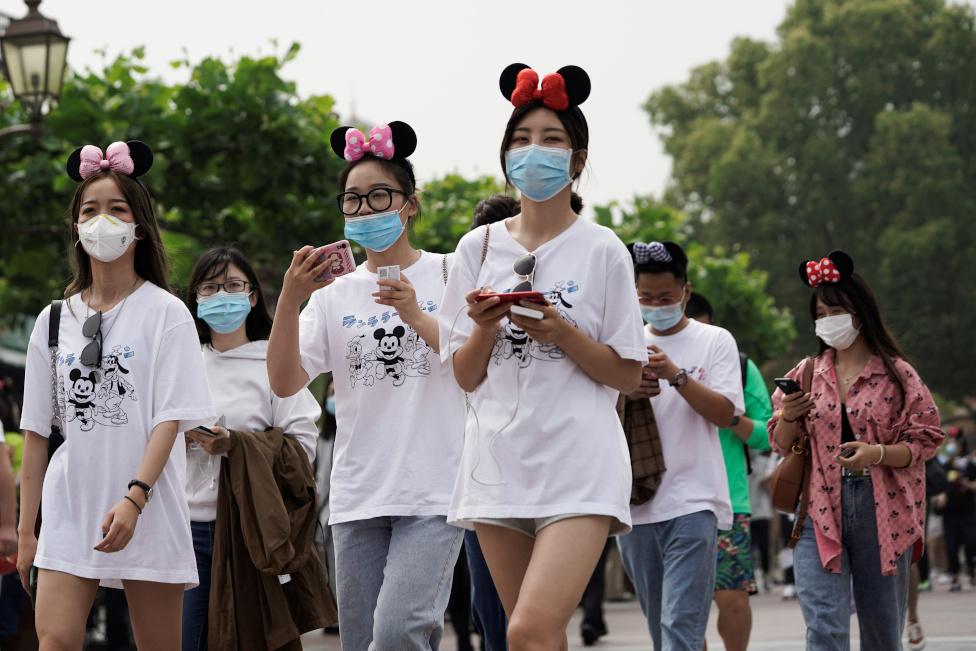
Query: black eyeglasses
(524, 268)
(378, 199)
(232, 286)
(92, 329)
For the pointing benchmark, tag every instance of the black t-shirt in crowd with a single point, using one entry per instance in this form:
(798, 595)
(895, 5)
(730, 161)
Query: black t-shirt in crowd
(962, 500)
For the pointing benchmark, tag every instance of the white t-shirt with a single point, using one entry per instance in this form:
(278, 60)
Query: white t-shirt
(695, 479)
(544, 438)
(238, 380)
(399, 412)
(151, 373)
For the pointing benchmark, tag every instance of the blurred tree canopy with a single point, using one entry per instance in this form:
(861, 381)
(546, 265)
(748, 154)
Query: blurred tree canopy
(856, 130)
(240, 158)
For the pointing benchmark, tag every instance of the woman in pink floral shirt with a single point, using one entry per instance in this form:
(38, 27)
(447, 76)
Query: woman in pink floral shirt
(872, 426)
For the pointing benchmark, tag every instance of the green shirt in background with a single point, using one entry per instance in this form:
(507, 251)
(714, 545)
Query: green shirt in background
(759, 409)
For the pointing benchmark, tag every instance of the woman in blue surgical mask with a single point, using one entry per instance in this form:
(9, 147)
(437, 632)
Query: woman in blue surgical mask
(399, 414)
(545, 474)
(233, 323)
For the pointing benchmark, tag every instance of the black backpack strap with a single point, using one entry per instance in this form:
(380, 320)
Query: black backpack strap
(744, 369)
(54, 325)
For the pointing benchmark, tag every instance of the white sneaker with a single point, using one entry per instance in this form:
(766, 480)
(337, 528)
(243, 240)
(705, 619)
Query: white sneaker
(789, 591)
(916, 638)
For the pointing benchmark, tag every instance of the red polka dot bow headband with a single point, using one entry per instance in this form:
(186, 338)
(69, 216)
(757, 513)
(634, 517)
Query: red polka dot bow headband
(385, 141)
(836, 267)
(569, 86)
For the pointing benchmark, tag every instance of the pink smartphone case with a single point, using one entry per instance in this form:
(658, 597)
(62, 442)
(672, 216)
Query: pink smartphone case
(343, 261)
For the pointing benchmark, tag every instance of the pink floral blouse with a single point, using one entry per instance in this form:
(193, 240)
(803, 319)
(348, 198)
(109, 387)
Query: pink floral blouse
(876, 415)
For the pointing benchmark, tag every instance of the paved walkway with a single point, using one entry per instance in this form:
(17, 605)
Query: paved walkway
(949, 620)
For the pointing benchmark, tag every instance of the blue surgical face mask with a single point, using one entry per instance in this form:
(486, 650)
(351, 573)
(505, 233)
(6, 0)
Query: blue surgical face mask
(663, 317)
(330, 405)
(539, 172)
(224, 312)
(375, 232)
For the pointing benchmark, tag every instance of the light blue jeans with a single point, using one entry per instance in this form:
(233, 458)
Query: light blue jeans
(825, 598)
(393, 579)
(672, 567)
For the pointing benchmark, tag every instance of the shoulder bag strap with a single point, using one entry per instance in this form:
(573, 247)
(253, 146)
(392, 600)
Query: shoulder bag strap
(484, 246)
(804, 445)
(444, 269)
(53, 332)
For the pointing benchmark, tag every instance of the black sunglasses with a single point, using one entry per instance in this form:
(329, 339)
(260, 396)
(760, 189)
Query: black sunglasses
(92, 329)
(524, 267)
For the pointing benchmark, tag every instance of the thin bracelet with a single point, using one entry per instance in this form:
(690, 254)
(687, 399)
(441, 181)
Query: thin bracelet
(135, 503)
(884, 454)
(788, 420)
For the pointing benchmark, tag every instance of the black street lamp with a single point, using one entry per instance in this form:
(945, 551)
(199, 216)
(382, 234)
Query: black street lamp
(34, 57)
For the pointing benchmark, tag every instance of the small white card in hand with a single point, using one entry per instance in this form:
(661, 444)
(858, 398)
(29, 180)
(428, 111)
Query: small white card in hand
(389, 273)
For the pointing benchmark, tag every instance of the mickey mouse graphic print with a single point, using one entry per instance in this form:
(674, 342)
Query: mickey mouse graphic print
(150, 372)
(543, 438)
(399, 412)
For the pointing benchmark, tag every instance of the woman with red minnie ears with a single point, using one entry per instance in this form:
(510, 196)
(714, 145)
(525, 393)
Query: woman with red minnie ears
(872, 425)
(545, 473)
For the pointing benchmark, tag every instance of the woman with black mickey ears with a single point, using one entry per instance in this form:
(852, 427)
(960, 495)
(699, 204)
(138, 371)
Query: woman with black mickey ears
(545, 475)
(871, 424)
(114, 508)
(399, 412)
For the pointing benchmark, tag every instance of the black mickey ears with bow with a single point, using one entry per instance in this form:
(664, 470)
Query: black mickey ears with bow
(133, 158)
(836, 267)
(568, 86)
(385, 141)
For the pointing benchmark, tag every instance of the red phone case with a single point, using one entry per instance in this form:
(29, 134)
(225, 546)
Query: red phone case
(515, 297)
(342, 260)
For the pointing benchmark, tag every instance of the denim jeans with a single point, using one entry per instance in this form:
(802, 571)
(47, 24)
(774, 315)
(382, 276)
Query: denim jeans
(196, 602)
(825, 598)
(393, 577)
(672, 567)
(486, 607)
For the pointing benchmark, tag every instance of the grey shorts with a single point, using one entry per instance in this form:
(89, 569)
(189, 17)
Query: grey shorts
(529, 526)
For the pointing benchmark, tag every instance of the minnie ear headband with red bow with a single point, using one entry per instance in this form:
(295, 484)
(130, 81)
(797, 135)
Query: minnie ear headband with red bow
(836, 267)
(385, 141)
(567, 87)
(133, 158)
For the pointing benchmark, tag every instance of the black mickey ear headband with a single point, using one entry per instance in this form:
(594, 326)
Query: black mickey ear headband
(836, 267)
(568, 86)
(133, 158)
(385, 141)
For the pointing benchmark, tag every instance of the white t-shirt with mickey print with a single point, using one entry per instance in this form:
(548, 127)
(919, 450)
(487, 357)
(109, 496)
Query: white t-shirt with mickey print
(544, 438)
(151, 373)
(399, 412)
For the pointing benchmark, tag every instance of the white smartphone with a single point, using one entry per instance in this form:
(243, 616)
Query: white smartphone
(527, 312)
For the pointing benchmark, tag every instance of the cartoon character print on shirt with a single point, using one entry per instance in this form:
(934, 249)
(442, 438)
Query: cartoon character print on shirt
(417, 352)
(389, 353)
(80, 398)
(360, 369)
(114, 388)
(512, 341)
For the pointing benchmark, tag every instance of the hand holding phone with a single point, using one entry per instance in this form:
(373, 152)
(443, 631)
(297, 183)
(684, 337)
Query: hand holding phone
(513, 297)
(787, 385)
(339, 255)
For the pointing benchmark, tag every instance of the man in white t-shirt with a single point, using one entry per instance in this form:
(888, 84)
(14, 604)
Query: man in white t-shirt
(693, 380)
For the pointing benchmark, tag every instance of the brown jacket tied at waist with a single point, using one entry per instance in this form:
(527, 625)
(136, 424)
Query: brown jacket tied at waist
(644, 443)
(268, 582)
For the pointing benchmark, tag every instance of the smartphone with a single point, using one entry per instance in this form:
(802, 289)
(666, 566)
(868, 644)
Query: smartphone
(514, 297)
(32, 584)
(205, 430)
(527, 312)
(339, 255)
(847, 453)
(787, 385)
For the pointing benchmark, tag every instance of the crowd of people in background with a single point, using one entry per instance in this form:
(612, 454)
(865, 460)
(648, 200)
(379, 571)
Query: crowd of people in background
(496, 425)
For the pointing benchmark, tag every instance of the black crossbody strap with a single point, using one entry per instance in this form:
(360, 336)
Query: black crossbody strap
(54, 325)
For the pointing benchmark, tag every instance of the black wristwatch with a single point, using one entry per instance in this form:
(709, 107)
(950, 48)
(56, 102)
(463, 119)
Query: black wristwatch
(146, 488)
(735, 421)
(680, 379)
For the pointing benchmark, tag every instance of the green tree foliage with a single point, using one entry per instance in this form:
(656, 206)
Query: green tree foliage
(734, 287)
(240, 158)
(448, 205)
(855, 130)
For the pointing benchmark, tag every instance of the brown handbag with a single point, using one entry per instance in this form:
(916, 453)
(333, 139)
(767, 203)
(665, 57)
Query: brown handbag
(789, 484)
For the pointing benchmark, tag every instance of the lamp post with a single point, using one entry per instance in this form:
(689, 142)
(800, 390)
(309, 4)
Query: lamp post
(34, 59)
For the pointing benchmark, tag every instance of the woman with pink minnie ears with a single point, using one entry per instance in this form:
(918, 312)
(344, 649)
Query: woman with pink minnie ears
(116, 368)
(399, 414)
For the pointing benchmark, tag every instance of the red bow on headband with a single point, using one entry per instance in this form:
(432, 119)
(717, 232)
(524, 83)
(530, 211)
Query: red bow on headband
(552, 93)
(822, 272)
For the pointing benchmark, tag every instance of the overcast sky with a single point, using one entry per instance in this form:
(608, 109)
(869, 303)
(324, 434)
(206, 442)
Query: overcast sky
(435, 65)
